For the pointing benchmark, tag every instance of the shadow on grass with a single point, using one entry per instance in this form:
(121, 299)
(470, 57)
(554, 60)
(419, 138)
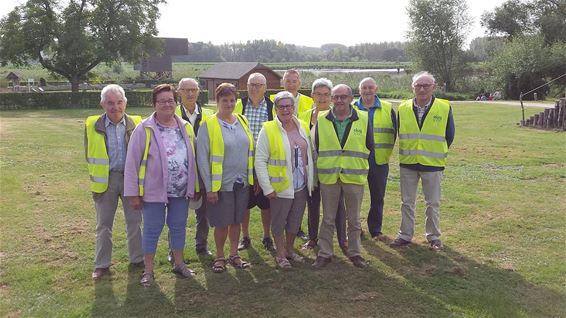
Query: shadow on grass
(467, 286)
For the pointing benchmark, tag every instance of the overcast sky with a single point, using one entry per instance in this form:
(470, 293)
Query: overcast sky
(301, 22)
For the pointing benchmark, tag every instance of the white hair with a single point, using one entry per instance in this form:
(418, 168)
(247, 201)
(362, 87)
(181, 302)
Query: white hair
(187, 79)
(423, 74)
(322, 82)
(112, 89)
(342, 85)
(283, 95)
(365, 80)
(261, 76)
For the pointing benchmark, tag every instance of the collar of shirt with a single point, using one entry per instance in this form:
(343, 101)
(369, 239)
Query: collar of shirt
(425, 105)
(187, 111)
(336, 118)
(261, 103)
(360, 105)
(108, 122)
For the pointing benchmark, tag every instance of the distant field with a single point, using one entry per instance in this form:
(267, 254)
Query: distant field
(503, 226)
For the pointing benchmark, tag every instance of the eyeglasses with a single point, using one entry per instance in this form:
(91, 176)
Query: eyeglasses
(284, 106)
(255, 85)
(188, 90)
(425, 86)
(165, 102)
(340, 97)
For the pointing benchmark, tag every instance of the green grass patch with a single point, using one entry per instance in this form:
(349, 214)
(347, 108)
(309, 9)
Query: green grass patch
(502, 218)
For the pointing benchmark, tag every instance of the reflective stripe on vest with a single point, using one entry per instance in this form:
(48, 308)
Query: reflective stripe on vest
(97, 154)
(426, 146)
(383, 133)
(217, 150)
(349, 164)
(143, 162)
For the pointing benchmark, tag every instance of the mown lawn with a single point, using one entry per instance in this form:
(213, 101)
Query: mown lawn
(502, 218)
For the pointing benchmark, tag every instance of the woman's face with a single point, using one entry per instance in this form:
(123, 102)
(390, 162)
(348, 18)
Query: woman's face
(284, 109)
(165, 104)
(226, 104)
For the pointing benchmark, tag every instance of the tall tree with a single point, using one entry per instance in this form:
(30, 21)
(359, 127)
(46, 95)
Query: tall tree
(438, 29)
(71, 40)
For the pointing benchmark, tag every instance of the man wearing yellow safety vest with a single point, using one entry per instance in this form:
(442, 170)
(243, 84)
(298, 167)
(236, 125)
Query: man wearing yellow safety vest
(382, 128)
(426, 131)
(343, 145)
(257, 110)
(190, 110)
(106, 142)
(291, 83)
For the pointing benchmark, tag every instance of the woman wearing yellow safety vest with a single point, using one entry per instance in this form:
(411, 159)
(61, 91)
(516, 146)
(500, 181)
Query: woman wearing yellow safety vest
(284, 168)
(160, 175)
(225, 161)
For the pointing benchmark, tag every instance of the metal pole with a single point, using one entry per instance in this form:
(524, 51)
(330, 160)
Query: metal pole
(522, 107)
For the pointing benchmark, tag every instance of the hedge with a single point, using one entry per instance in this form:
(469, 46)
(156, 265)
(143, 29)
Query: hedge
(54, 100)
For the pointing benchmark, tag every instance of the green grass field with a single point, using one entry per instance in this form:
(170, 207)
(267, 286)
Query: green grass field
(503, 225)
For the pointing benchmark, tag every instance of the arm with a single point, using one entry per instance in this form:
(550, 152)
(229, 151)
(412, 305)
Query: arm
(450, 128)
(134, 156)
(394, 121)
(203, 157)
(86, 145)
(261, 159)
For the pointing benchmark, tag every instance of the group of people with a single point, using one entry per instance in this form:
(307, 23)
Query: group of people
(282, 154)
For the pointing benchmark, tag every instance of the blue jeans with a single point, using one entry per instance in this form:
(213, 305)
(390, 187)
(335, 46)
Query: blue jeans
(377, 182)
(154, 216)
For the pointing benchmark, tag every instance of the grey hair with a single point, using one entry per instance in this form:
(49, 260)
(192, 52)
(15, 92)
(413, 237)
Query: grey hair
(421, 74)
(188, 79)
(112, 89)
(342, 85)
(256, 74)
(283, 95)
(292, 71)
(365, 80)
(322, 82)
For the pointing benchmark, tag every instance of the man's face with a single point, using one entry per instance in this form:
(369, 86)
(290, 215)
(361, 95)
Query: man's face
(368, 89)
(256, 87)
(341, 98)
(423, 87)
(321, 97)
(291, 83)
(114, 105)
(189, 93)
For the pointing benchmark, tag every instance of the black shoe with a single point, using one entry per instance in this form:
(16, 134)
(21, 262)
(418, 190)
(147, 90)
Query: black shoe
(320, 262)
(268, 244)
(302, 235)
(399, 242)
(245, 243)
(358, 261)
(203, 252)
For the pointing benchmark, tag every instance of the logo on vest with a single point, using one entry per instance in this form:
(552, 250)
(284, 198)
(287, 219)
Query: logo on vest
(357, 132)
(437, 118)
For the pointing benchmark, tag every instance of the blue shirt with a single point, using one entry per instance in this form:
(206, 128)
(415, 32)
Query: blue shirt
(371, 112)
(116, 143)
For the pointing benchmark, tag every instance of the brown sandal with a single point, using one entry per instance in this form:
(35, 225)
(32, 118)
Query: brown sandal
(237, 262)
(219, 265)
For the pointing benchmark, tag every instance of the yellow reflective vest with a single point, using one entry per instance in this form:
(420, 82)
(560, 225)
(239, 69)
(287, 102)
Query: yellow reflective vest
(383, 133)
(217, 150)
(97, 154)
(348, 164)
(143, 165)
(277, 163)
(305, 103)
(427, 145)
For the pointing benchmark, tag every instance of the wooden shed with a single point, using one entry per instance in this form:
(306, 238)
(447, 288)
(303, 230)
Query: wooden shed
(236, 73)
(13, 79)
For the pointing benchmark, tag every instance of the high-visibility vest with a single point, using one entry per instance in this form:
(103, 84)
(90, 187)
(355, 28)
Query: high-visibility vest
(217, 150)
(143, 164)
(383, 133)
(427, 145)
(97, 154)
(349, 164)
(305, 103)
(277, 162)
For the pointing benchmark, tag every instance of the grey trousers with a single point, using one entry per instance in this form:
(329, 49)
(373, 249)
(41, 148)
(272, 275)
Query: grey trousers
(331, 194)
(201, 236)
(106, 204)
(409, 180)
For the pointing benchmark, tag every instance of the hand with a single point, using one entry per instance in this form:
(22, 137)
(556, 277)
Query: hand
(271, 196)
(135, 202)
(212, 197)
(256, 188)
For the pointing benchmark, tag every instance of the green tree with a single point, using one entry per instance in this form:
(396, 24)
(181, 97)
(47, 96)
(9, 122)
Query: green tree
(438, 29)
(71, 40)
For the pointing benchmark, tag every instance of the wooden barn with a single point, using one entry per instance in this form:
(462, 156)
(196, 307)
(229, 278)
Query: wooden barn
(236, 73)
